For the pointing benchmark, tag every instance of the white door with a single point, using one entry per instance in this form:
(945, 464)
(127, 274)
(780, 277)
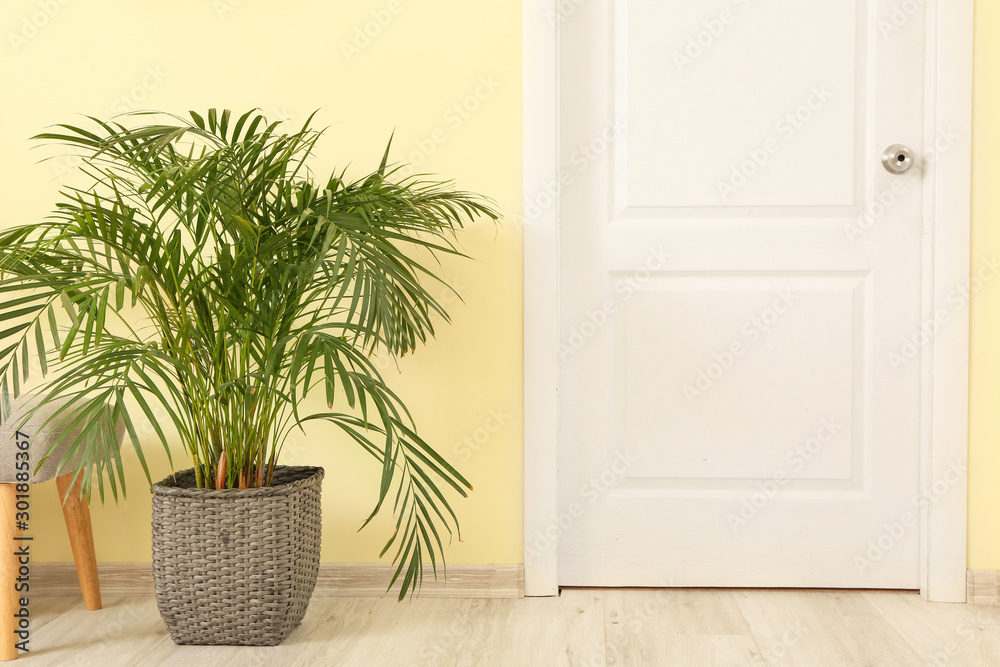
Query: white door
(738, 275)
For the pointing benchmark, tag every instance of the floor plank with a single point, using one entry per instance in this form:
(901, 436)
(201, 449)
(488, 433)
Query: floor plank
(121, 633)
(44, 610)
(560, 631)
(568, 630)
(676, 627)
(958, 635)
(663, 649)
(349, 631)
(822, 628)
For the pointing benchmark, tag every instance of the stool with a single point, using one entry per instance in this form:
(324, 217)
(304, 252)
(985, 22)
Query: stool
(39, 432)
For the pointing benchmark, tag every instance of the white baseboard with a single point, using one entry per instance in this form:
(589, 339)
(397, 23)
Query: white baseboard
(335, 580)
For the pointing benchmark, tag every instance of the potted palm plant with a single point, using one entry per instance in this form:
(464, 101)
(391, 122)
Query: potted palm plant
(204, 272)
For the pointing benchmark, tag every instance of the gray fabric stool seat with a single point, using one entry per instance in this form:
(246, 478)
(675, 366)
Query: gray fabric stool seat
(40, 430)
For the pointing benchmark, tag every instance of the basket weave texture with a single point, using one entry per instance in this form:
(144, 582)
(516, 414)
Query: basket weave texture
(235, 566)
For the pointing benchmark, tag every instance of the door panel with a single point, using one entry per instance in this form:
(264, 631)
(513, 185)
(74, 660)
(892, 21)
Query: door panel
(743, 332)
(686, 64)
(729, 413)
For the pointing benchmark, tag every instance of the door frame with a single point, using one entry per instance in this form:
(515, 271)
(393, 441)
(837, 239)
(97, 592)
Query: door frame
(946, 263)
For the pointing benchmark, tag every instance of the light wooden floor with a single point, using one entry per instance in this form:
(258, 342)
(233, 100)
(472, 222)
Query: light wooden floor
(584, 628)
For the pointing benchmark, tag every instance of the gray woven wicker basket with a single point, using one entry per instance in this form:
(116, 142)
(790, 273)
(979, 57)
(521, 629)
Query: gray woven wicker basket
(236, 566)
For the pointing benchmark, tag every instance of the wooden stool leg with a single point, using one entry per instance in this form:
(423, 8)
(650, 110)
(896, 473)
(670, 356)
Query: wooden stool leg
(81, 538)
(8, 571)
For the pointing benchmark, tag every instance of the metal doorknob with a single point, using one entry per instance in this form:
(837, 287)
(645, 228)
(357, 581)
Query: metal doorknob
(897, 159)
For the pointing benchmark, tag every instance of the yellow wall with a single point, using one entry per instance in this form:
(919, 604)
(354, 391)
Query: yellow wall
(984, 407)
(424, 57)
